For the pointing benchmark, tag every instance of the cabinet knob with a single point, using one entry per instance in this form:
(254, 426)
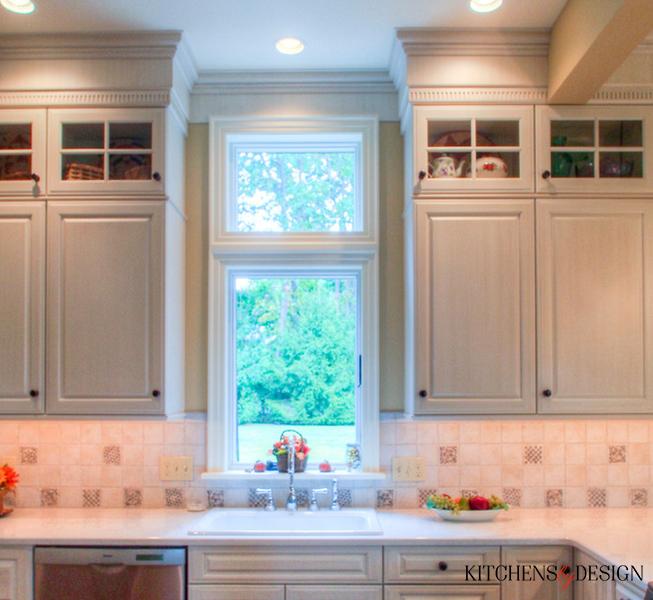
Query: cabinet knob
(34, 393)
(156, 176)
(421, 175)
(423, 393)
(35, 178)
(156, 393)
(443, 566)
(547, 393)
(546, 174)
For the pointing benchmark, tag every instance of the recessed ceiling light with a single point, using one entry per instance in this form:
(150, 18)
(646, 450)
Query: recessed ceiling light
(22, 7)
(484, 6)
(287, 45)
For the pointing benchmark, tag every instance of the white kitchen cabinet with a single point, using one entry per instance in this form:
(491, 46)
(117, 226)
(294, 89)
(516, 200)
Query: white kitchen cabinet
(22, 152)
(542, 557)
(334, 592)
(473, 148)
(22, 307)
(595, 322)
(474, 328)
(600, 149)
(628, 591)
(591, 590)
(105, 302)
(105, 151)
(441, 592)
(15, 574)
(236, 592)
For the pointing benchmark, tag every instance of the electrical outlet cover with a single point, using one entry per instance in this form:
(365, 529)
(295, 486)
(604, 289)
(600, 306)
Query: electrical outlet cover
(408, 468)
(176, 468)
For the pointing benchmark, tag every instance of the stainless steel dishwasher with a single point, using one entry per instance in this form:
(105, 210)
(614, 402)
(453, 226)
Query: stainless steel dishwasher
(109, 573)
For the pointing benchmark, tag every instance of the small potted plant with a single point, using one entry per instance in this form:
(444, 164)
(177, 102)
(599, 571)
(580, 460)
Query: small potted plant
(280, 451)
(8, 482)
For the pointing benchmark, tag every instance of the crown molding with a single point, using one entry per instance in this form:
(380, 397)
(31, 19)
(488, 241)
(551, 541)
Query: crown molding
(624, 94)
(118, 98)
(478, 95)
(133, 44)
(371, 81)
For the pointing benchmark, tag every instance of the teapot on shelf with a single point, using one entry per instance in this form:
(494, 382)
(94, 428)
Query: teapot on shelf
(445, 166)
(489, 167)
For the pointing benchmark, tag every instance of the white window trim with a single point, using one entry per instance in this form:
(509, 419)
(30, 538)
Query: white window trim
(316, 253)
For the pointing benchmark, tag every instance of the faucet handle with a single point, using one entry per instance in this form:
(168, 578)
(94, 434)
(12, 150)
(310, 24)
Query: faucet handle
(335, 499)
(269, 505)
(314, 493)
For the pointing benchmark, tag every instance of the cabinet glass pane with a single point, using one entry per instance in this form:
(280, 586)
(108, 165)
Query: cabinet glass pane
(450, 133)
(15, 167)
(621, 164)
(572, 164)
(449, 165)
(497, 165)
(620, 133)
(130, 135)
(130, 166)
(497, 133)
(83, 135)
(82, 167)
(572, 133)
(15, 136)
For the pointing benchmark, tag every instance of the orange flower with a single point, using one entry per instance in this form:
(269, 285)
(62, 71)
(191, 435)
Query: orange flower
(9, 478)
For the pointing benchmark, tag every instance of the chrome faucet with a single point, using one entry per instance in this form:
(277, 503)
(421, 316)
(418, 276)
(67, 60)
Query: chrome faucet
(291, 503)
(335, 500)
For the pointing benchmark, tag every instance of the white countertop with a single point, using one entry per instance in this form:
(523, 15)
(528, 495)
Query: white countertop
(616, 536)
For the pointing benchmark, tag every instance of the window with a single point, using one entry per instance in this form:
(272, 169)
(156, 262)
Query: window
(293, 291)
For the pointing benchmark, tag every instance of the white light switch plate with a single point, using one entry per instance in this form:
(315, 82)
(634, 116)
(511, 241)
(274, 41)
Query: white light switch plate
(176, 468)
(408, 468)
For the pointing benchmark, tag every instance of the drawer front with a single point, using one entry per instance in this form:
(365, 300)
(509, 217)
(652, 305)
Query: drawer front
(236, 592)
(334, 592)
(441, 592)
(410, 564)
(307, 564)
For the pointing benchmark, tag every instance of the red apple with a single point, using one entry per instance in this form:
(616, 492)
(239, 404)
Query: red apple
(479, 503)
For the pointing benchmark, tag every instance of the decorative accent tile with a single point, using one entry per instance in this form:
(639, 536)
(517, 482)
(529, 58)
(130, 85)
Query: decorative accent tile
(554, 498)
(448, 455)
(533, 455)
(385, 498)
(49, 497)
(512, 496)
(91, 498)
(639, 497)
(345, 498)
(111, 455)
(617, 454)
(468, 493)
(29, 456)
(596, 497)
(174, 497)
(423, 494)
(302, 495)
(216, 498)
(255, 500)
(133, 497)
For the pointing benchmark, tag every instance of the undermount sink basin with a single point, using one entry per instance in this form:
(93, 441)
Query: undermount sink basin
(253, 522)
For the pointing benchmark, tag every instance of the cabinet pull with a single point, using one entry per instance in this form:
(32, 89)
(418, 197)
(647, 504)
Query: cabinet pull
(547, 393)
(443, 566)
(156, 176)
(35, 178)
(156, 393)
(546, 174)
(423, 393)
(34, 393)
(421, 175)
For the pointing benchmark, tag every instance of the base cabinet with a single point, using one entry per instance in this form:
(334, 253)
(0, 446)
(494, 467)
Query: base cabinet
(334, 592)
(15, 574)
(236, 592)
(540, 558)
(591, 590)
(442, 592)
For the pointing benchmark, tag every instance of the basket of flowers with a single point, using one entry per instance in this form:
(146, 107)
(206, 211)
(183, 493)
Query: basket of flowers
(280, 451)
(8, 482)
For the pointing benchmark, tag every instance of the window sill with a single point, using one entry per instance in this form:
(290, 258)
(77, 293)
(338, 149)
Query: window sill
(273, 476)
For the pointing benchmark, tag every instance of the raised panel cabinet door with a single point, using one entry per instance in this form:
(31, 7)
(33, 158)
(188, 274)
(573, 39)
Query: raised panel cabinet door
(334, 592)
(15, 574)
(236, 592)
(105, 307)
(475, 307)
(543, 562)
(22, 306)
(595, 321)
(441, 592)
(586, 589)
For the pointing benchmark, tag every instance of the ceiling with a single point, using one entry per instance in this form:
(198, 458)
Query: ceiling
(240, 34)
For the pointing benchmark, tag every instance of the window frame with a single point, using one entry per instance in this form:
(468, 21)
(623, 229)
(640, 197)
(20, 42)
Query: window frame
(308, 254)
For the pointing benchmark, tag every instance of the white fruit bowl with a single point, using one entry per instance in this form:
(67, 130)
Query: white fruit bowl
(467, 516)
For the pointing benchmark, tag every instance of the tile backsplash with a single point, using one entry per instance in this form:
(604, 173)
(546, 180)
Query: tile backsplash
(552, 463)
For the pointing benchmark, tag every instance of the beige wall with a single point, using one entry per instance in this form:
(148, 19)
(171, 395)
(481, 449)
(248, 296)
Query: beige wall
(390, 265)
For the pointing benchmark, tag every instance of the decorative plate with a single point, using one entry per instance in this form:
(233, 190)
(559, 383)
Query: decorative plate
(467, 516)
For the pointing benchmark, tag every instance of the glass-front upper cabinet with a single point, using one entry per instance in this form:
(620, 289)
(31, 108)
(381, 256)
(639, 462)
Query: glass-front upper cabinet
(473, 148)
(105, 151)
(22, 152)
(594, 148)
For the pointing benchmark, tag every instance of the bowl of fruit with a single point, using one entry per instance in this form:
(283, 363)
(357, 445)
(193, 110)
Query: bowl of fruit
(470, 510)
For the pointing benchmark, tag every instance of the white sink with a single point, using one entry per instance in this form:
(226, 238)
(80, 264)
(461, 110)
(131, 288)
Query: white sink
(251, 522)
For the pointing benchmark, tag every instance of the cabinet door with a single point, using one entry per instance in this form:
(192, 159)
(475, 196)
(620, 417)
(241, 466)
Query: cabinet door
(22, 152)
(105, 151)
(334, 592)
(475, 307)
(441, 592)
(595, 336)
(591, 590)
(236, 592)
(15, 574)
(105, 307)
(544, 557)
(22, 305)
